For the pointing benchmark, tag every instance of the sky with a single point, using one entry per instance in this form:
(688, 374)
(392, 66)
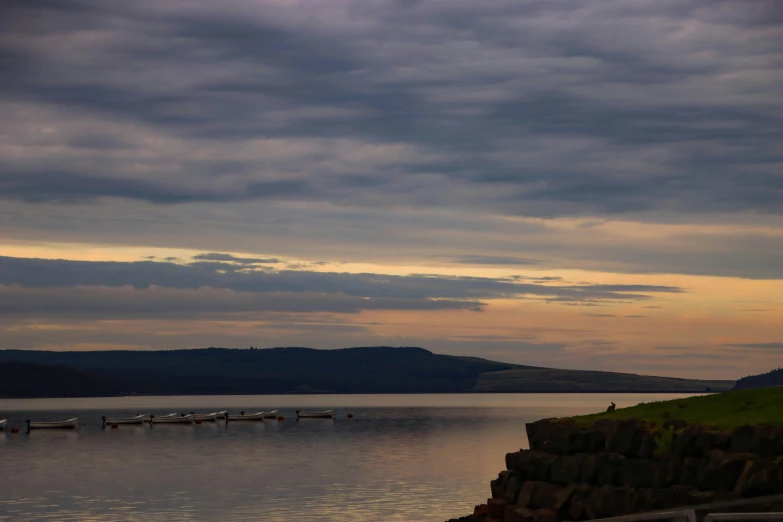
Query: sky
(562, 183)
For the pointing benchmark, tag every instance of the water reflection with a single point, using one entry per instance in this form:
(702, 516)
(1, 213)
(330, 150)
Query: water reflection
(403, 459)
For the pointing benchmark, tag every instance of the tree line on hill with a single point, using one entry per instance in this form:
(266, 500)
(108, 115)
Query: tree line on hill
(773, 378)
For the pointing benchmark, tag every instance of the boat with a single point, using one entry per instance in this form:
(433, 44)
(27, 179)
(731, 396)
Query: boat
(259, 416)
(138, 419)
(70, 424)
(222, 414)
(206, 417)
(3, 422)
(172, 419)
(328, 414)
(271, 414)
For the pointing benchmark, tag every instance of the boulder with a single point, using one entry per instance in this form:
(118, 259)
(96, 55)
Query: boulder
(537, 494)
(713, 440)
(642, 473)
(511, 459)
(760, 477)
(648, 446)
(609, 469)
(497, 507)
(768, 441)
(578, 441)
(519, 514)
(533, 465)
(690, 471)
(628, 438)
(597, 441)
(498, 486)
(720, 472)
(546, 515)
(686, 442)
(588, 471)
(610, 501)
(671, 467)
(566, 469)
(742, 439)
(529, 492)
(577, 510)
(674, 497)
(512, 487)
(542, 431)
(563, 499)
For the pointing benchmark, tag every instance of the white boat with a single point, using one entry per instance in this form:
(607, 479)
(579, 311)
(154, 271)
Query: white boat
(328, 414)
(271, 414)
(138, 419)
(259, 416)
(3, 422)
(222, 414)
(205, 417)
(70, 424)
(172, 419)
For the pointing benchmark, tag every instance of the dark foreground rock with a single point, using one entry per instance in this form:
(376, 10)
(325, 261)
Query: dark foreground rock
(616, 468)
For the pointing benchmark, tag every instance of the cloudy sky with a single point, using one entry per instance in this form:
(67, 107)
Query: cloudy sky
(566, 183)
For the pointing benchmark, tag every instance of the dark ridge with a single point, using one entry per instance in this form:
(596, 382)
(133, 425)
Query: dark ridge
(773, 378)
(219, 371)
(20, 379)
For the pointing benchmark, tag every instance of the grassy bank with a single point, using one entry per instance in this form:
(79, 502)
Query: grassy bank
(722, 411)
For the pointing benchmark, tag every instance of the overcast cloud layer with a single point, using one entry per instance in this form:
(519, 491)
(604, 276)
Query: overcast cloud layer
(543, 108)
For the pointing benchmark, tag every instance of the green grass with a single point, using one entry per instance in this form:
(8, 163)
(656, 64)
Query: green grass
(721, 411)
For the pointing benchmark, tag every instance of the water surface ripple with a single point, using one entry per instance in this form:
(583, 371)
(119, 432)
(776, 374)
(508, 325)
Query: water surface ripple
(401, 458)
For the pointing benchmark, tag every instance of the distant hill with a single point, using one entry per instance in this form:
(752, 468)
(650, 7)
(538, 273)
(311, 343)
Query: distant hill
(19, 379)
(218, 371)
(773, 378)
(551, 380)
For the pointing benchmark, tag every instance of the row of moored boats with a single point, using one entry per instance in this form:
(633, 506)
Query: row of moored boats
(175, 418)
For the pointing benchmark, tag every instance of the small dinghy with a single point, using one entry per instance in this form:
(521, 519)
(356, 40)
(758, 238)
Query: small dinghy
(259, 416)
(271, 414)
(138, 419)
(208, 417)
(172, 419)
(3, 422)
(70, 424)
(328, 414)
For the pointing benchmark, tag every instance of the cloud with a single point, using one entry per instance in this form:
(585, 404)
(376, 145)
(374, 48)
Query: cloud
(539, 108)
(216, 256)
(125, 302)
(474, 259)
(48, 273)
(760, 346)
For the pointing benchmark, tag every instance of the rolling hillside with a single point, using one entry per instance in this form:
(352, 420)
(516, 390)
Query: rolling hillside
(217, 371)
(552, 380)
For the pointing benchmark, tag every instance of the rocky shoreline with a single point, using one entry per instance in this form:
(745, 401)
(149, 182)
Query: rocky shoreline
(615, 468)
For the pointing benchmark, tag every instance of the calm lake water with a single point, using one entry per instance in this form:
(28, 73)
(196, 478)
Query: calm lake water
(400, 458)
